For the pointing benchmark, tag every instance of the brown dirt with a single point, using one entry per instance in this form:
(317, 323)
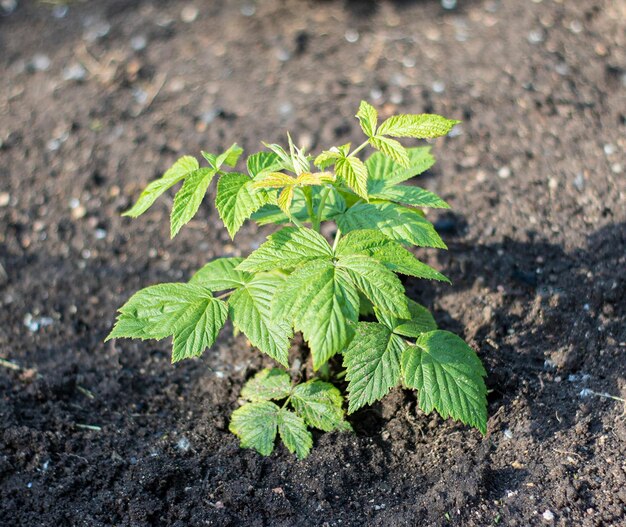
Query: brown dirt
(537, 255)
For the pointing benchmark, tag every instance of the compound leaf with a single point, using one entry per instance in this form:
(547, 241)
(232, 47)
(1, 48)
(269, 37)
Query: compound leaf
(230, 157)
(250, 311)
(392, 149)
(389, 252)
(368, 118)
(320, 404)
(380, 285)
(182, 168)
(381, 168)
(320, 300)
(409, 195)
(221, 274)
(287, 249)
(268, 384)
(294, 433)
(448, 376)
(372, 364)
(255, 424)
(419, 126)
(188, 199)
(394, 221)
(237, 200)
(262, 162)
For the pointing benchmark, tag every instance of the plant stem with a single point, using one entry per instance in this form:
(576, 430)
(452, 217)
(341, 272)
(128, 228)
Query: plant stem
(309, 208)
(358, 148)
(337, 236)
(324, 371)
(296, 222)
(320, 210)
(224, 295)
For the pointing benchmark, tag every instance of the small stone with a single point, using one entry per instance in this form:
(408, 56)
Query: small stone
(283, 54)
(138, 42)
(579, 182)
(535, 36)
(59, 11)
(8, 6)
(97, 30)
(285, 108)
(100, 234)
(79, 212)
(562, 68)
(548, 515)
(439, 87)
(183, 444)
(40, 62)
(609, 149)
(5, 198)
(248, 9)
(504, 172)
(351, 35)
(508, 434)
(448, 4)
(189, 14)
(576, 26)
(616, 168)
(553, 183)
(74, 72)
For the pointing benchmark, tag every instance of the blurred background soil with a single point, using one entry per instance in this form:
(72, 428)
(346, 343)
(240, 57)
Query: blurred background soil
(99, 97)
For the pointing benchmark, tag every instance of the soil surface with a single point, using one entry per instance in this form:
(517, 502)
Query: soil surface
(97, 98)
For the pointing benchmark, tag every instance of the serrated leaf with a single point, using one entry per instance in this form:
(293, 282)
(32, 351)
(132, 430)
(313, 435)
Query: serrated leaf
(372, 364)
(320, 404)
(274, 180)
(188, 199)
(327, 158)
(177, 172)
(262, 162)
(368, 118)
(409, 195)
(381, 168)
(294, 434)
(187, 312)
(237, 200)
(392, 149)
(380, 285)
(221, 274)
(250, 311)
(420, 321)
(320, 300)
(266, 385)
(230, 157)
(256, 424)
(287, 249)
(394, 221)
(210, 158)
(354, 173)
(389, 252)
(448, 376)
(419, 126)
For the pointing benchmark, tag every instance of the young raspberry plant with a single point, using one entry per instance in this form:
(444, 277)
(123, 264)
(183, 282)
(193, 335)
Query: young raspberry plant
(343, 295)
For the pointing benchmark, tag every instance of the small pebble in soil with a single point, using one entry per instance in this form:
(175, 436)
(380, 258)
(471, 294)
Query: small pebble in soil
(535, 36)
(5, 198)
(504, 172)
(283, 54)
(285, 108)
(189, 14)
(40, 62)
(74, 72)
(95, 30)
(609, 149)
(448, 4)
(351, 35)
(508, 434)
(548, 515)
(59, 11)
(579, 182)
(584, 393)
(34, 324)
(30, 484)
(616, 168)
(8, 6)
(248, 9)
(439, 87)
(100, 234)
(376, 94)
(183, 444)
(138, 42)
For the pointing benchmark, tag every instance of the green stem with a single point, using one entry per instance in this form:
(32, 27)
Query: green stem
(309, 207)
(359, 148)
(337, 236)
(324, 371)
(320, 209)
(296, 222)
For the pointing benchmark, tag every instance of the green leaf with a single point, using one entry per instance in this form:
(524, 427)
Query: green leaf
(294, 433)
(327, 158)
(268, 384)
(250, 311)
(230, 157)
(420, 321)
(449, 377)
(320, 404)
(182, 168)
(389, 252)
(220, 274)
(394, 221)
(368, 118)
(354, 173)
(210, 158)
(256, 424)
(380, 285)
(187, 312)
(236, 200)
(320, 300)
(392, 149)
(409, 195)
(188, 199)
(373, 364)
(381, 168)
(262, 162)
(287, 249)
(419, 126)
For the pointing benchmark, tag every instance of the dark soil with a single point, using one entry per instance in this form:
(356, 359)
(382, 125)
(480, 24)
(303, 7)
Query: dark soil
(537, 255)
